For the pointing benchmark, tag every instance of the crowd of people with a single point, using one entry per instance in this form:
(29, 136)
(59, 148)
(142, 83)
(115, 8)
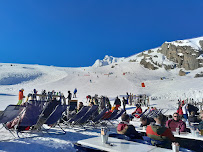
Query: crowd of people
(160, 128)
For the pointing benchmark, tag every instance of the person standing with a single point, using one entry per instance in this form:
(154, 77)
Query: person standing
(200, 126)
(130, 99)
(127, 96)
(108, 104)
(74, 93)
(69, 96)
(20, 97)
(102, 102)
(117, 103)
(185, 111)
(124, 101)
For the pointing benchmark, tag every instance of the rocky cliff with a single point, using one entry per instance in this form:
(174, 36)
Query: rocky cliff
(187, 54)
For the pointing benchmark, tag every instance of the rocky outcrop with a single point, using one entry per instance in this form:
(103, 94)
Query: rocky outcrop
(148, 64)
(183, 56)
(182, 73)
(199, 75)
(201, 44)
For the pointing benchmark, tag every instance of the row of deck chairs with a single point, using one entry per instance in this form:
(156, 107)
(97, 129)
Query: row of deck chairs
(33, 116)
(89, 116)
(152, 113)
(17, 118)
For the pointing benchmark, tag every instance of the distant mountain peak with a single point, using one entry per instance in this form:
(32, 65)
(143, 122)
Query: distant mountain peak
(107, 61)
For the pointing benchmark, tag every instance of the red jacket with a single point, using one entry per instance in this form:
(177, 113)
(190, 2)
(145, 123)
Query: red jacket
(137, 112)
(180, 111)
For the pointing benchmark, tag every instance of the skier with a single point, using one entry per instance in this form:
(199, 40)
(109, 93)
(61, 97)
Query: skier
(74, 93)
(20, 97)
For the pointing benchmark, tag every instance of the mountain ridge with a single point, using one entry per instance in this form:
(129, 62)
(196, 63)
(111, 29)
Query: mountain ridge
(187, 54)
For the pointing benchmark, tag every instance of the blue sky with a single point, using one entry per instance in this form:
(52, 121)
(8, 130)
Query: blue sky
(74, 33)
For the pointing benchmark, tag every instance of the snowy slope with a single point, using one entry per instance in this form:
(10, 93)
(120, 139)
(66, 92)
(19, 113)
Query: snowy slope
(117, 77)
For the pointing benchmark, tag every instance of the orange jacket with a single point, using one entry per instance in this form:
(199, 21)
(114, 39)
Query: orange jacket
(20, 96)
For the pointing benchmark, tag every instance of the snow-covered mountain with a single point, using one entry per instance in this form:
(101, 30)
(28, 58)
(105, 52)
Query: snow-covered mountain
(107, 60)
(187, 54)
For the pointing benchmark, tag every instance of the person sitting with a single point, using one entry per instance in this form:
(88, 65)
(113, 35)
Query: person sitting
(192, 118)
(137, 111)
(80, 105)
(176, 123)
(146, 121)
(159, 134)
(127, 129)
(200, 126)
(75, 111)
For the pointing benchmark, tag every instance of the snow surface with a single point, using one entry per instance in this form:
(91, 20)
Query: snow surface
(105, 80)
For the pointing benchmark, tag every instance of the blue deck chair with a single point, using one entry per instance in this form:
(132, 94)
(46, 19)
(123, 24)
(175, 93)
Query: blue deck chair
(100, 115)
(56, 115)
(119, 113)
(31, 115)
(11, 112)
(154, 113)
(87, 116)
(97, 119)
(78, 115)
(113, 114)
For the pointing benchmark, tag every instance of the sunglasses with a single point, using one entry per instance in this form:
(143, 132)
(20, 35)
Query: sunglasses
(175, 116)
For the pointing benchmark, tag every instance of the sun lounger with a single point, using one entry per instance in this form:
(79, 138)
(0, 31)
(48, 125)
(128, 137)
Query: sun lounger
(77, 116)
(87, 116)
(56, 116)
(11, 112)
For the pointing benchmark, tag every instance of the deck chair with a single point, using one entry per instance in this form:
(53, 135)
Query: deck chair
(28, 119)
(46, 113)
(119, 113)
(109, 118)
(78, 115)
(31, 115)
(10, 113)
(113, 114)
(97, 119)
(87, 116)
(55, 116)
(154, 113)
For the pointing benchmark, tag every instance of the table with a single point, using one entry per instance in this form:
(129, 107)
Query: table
(184, 135)
(119, 145)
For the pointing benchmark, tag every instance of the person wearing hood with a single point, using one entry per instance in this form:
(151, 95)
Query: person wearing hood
(125, 128)
(158, 132)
